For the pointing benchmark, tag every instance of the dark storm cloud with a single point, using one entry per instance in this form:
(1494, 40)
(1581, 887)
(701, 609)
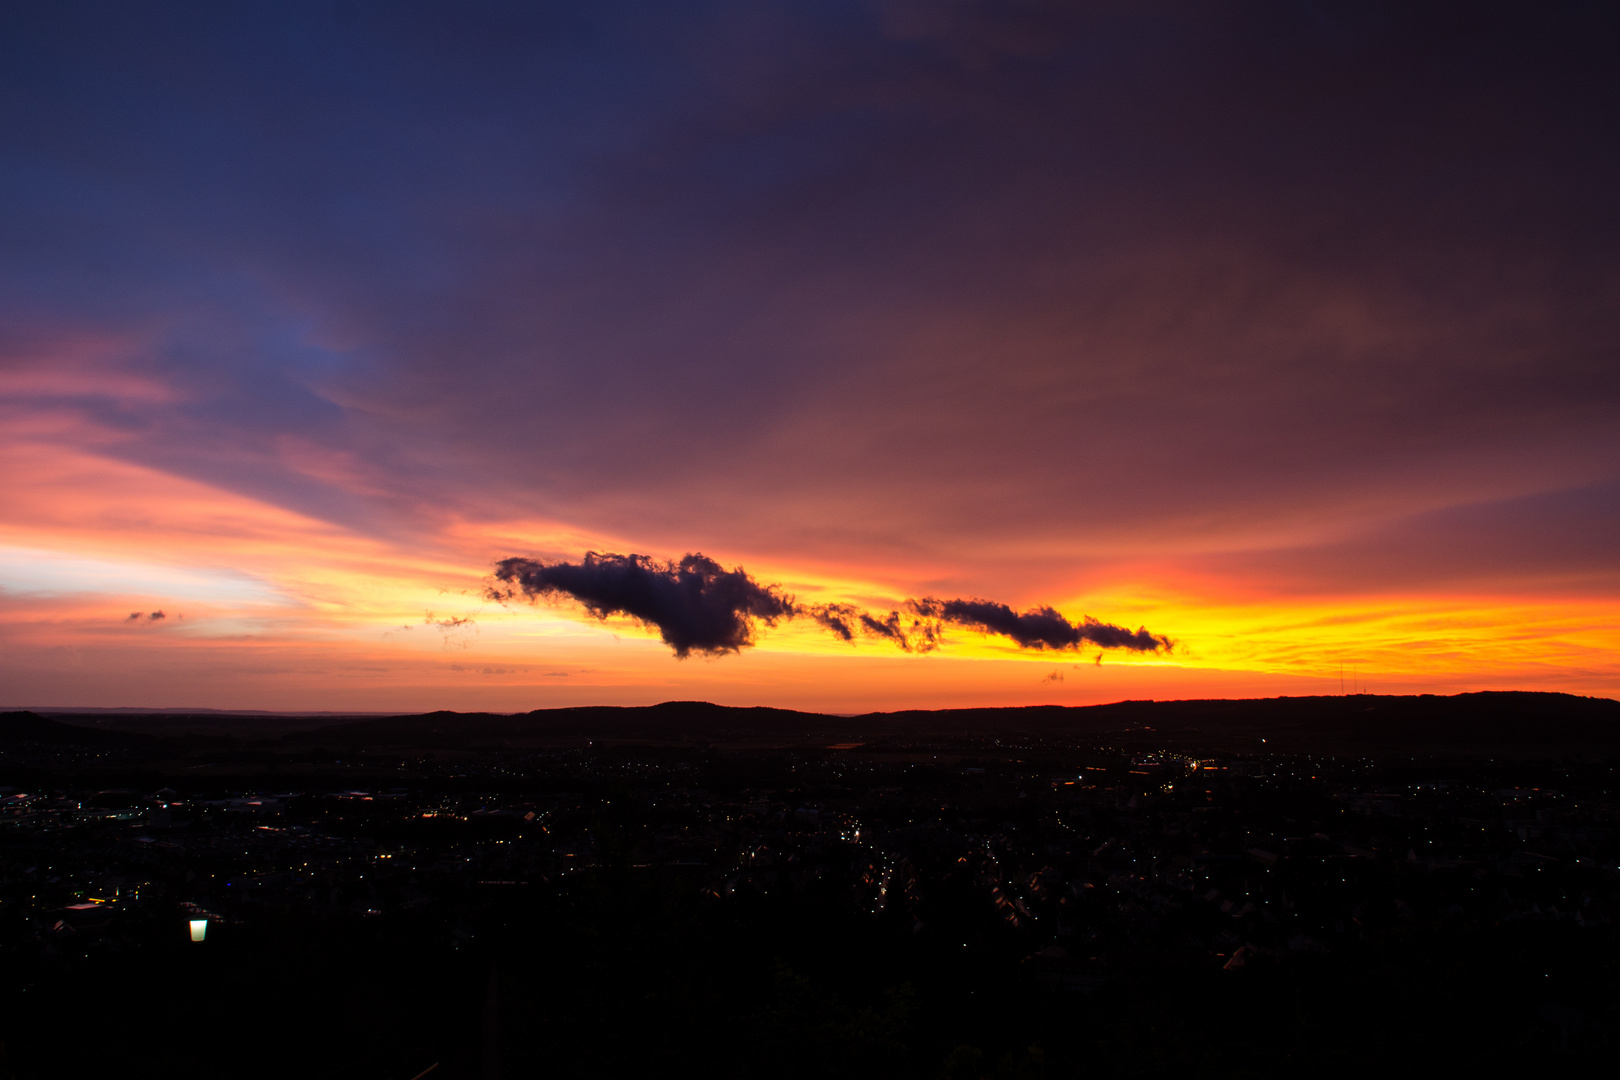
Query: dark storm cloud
(695, 603)
(698, 605)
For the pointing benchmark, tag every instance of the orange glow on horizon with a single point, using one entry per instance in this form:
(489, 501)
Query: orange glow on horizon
(266, 608)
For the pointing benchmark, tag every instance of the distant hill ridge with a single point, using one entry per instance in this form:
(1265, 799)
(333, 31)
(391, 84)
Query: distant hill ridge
(1506, 717)
(1502, 716)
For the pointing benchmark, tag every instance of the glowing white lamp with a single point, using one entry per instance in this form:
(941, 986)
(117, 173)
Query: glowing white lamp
(199, 929)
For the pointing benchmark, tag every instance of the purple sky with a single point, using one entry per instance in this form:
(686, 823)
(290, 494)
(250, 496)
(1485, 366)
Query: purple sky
(1017, 300)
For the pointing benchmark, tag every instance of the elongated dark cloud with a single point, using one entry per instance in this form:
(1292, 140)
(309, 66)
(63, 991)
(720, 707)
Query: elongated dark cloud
(1108, 636)
(697, 604)
(1039, 628)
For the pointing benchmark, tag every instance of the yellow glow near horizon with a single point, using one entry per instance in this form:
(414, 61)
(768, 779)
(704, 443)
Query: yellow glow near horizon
(267, 608)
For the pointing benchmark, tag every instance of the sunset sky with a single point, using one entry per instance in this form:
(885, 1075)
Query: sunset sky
(1289, 332)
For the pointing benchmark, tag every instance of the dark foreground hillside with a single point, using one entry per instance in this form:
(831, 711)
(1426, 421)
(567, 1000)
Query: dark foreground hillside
(1064, 896)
